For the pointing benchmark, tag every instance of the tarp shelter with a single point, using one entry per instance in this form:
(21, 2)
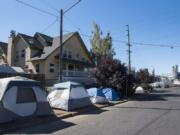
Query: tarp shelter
(9, 69)
(110, 94)
(97, 96)
(21, 97)
(69, 96)
(139, 90)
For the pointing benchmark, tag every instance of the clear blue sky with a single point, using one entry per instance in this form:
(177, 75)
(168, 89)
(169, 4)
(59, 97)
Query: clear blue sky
(151, 21)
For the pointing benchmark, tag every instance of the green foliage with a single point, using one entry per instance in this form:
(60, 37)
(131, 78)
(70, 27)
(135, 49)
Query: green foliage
(143, 76)
(110, 72)
(101, 46)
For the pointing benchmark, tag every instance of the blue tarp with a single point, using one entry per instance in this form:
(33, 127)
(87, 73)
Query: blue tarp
(94, 92)
(109, 93)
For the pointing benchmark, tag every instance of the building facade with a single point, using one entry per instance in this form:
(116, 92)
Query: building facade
(39, 54)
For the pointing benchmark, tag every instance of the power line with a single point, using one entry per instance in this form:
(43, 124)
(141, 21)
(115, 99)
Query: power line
(50, 25)
(50, 5)
(85, 35)
(38, 9)
(67, 18)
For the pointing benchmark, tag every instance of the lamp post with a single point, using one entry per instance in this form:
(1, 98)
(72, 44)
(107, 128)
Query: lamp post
(61, 39)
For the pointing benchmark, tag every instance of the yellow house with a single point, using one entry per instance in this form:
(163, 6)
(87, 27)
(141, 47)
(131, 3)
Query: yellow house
(40, 55)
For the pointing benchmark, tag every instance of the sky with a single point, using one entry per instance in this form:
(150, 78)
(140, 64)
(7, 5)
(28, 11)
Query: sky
(150, 21)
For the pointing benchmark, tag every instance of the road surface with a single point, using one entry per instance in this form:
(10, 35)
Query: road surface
(154, 114)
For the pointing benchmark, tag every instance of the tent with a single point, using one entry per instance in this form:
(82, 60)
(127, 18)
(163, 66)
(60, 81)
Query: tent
(21, 97)
(139, 90)
(68, 96)
(10, 69)
(97, 96)
(110, 94)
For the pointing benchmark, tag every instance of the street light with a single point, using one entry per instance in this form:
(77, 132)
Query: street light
(61, 38)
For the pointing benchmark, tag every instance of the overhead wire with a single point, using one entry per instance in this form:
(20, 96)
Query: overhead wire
(36, 8)
(50, 25)
(89, 36)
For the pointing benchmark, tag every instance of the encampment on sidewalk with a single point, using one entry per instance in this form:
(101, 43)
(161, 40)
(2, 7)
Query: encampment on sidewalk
(21, 97)
(68, 96)
(97, 96)
(139, 90)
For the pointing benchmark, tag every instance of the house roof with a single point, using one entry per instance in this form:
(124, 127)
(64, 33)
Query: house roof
(50, 49)
(47, 38)
(3, 47)
(31, 41)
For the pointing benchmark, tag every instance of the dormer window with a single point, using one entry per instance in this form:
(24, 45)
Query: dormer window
(31, 41)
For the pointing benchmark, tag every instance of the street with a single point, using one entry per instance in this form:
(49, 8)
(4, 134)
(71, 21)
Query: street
(154, 114)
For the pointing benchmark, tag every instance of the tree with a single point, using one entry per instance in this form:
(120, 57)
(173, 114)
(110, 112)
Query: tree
(143, 76)
(110, 72)
(101, 46)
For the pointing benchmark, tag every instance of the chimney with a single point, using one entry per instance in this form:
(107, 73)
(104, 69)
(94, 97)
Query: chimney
(10, 52)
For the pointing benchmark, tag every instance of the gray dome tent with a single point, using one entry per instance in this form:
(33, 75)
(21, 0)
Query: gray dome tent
(69, 96)
(21, 97)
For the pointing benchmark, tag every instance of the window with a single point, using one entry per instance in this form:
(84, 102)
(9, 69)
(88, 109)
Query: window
(83, 59)
(65, 54)
(31, 41)
(25, 95)
(69, 54)
(17, 56)
(77, 55)
(37, 68)
(51, 67)
(22, 53)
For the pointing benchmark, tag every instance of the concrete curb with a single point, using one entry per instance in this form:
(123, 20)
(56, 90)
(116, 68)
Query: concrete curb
(64, 116)
(27, 124)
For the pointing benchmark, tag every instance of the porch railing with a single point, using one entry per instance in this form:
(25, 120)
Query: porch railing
(67, 73)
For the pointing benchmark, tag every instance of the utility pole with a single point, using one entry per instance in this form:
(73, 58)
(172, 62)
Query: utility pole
(129, 50)
(61, 42)
(61, 39)
(129, 61)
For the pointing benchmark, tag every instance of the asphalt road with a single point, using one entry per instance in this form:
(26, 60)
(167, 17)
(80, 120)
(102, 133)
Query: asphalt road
(154, 114)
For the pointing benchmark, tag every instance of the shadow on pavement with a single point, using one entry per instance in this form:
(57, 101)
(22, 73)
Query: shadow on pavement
(54, 124)
(161, 91)
(94, 110)
(46, 129)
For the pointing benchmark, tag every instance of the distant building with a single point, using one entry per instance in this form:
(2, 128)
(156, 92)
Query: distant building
(175, 73)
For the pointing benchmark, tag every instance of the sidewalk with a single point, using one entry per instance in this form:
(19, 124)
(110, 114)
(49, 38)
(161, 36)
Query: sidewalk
(59, 115)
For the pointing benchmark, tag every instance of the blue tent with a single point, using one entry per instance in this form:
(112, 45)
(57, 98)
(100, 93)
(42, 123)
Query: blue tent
(94, 92)
(110, 94)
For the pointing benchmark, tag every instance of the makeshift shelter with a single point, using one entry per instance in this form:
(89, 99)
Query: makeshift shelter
(68, 96)
(21, 97)
(110, 94)
(97, 96)
(139, 90)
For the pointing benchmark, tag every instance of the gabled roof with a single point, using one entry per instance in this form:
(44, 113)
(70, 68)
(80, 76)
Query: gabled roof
(31, 41)
(3, 47)
(50, 49)
(47, 38)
